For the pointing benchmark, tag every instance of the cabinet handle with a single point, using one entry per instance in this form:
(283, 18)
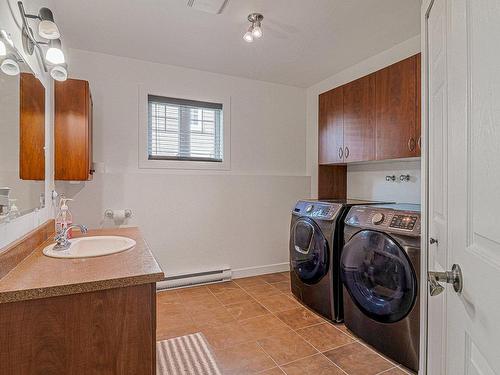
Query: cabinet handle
(411, 144)
(419, 142)
(341, 153)
(92, 171)
(346, 152)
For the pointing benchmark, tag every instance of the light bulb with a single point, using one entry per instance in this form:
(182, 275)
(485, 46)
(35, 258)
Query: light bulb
(59, 73)
(10, 67)
(3, 50)
(248, 37)
(55, 54)
(257, 32)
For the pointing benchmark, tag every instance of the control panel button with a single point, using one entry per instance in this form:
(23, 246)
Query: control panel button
(378, 218)
(309, 208)
(404, 222)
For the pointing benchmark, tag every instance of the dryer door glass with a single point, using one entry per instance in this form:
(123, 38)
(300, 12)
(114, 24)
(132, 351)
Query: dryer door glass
(378, 275)
(308, 251)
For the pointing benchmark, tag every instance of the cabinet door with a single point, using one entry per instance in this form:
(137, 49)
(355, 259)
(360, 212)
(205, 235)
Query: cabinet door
(396, 110)
(330, 118)
(359, 119)
(72, 130)
(31, 128)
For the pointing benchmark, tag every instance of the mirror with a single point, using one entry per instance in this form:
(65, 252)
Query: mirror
(22, 136)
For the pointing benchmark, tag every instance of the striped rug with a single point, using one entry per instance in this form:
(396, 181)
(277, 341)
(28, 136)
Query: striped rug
(185, 355)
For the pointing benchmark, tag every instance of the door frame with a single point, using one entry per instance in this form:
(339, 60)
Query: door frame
(424, 165)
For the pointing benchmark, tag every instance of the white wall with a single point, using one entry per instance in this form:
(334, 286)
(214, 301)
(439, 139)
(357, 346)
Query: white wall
(363, 182)
(192, 218)
(10, 21)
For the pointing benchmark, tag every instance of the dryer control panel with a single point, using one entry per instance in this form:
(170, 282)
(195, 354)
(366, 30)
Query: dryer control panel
(384, 218)
(317, 209)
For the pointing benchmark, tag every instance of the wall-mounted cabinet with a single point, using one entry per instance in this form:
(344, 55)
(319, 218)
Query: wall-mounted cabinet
(376, 117)
(73, 131)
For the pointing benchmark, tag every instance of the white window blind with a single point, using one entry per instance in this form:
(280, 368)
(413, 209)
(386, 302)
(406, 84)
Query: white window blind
(180, 129)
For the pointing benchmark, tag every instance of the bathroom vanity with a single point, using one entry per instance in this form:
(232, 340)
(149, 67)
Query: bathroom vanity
(81, 316)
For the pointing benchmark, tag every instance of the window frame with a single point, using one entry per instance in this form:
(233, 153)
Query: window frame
(187, 164)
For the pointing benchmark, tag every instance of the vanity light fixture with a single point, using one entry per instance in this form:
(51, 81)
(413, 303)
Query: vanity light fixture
(255, 29)
(3, 49)
(47, 29)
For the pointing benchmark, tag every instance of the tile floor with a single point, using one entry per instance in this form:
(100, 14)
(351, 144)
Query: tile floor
(255, 326)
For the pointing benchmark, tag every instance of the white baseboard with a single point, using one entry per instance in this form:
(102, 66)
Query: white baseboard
(260, 270)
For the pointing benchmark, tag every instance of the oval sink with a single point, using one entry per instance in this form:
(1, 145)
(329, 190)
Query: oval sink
(94, 246)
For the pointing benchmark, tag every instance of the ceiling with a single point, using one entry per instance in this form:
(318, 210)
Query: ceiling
(304, 42)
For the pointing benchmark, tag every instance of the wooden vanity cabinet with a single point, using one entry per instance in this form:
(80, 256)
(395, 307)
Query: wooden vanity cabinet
(396, 121)
(31, 128)
(73, 131)
(331, 126)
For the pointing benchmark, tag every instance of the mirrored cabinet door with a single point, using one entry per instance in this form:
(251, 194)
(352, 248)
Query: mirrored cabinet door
(22, 138)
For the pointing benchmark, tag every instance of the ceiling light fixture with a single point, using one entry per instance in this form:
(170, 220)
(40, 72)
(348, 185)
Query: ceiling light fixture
(255, 29)
(48, 30)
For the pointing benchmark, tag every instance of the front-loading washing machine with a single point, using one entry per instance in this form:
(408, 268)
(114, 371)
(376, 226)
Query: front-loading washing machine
(380, 268)
(316, 239)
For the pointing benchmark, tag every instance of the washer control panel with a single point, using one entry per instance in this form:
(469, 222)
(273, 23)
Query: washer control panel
(317, 210)
(385, 218)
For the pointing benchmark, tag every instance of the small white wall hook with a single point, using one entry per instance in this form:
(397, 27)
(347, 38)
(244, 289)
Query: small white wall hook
(111, 214)
(404, 178)
(390, 178)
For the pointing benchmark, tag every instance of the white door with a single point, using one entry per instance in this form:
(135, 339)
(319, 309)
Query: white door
(462, 59)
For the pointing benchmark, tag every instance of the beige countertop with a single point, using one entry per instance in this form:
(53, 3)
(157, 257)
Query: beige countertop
(39, 276)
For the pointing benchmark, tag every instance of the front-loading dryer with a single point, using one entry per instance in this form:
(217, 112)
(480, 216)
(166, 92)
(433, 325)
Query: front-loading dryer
(316, 239)
(380, 267)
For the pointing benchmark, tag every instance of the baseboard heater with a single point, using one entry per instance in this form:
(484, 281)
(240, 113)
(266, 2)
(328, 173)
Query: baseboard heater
(197, 278)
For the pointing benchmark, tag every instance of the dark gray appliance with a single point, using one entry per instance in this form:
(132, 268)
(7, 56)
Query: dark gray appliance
(380, 273)
(316, 239)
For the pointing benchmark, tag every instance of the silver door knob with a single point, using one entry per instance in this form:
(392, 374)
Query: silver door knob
(453, 277)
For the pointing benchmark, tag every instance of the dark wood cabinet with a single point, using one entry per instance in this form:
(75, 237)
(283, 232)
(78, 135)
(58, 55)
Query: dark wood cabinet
(396, 107)
(359, 120)
(418, 115)
(331, 126)
(73, 131)
(31, 128)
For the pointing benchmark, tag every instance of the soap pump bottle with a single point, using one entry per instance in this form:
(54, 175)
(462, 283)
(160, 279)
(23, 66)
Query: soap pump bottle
(64, 218)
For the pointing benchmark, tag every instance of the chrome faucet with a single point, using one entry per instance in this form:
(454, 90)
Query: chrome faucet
(62, 242)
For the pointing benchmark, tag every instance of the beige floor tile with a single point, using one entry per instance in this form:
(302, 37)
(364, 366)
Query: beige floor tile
(395, 371)
(170, 308)
(193, 291)
(278, 302)
(167, 296)
(230, 297)
(273, 278)
(226, 335)
(223, 287)
(356, 359)
(201, 302)
(324, 336)
(246, 310)
(286, 347)
(315, 365)
(263, 326)
(246, 358)
(299, 318)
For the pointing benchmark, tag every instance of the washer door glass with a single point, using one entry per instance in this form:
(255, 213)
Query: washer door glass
(378, 275)
(308, 251)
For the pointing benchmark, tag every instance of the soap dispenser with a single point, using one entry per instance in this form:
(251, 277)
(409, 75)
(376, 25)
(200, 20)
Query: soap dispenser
(64, 218)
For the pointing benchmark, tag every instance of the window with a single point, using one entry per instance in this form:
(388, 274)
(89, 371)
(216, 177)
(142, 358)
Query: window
(180, 129)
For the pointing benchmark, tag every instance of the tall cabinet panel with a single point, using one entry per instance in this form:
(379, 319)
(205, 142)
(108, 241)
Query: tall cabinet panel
(359, 119)
(396, 118)
(331, 132)
(31, 128)
(73, 131)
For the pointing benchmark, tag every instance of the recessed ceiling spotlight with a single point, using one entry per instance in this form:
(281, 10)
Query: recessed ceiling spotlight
(255, 29)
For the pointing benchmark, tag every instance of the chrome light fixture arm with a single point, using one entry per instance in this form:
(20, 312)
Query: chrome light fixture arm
(28, 34)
